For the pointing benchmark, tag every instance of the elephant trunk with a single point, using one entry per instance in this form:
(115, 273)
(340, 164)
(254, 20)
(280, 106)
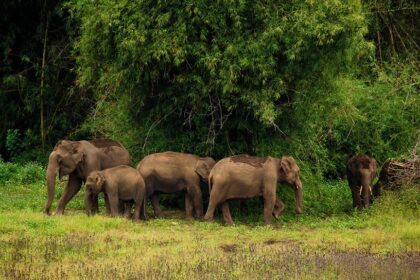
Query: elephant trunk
(52, 171)
(366, 189)
(88, 202)
(299, 196)
(366, 195)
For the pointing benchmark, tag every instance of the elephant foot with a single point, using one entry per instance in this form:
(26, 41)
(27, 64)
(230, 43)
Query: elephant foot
(208, 218)
(189, 218)
(200, 217)
(158, 216)
(229, 224)
(277, 213)
(267, 224)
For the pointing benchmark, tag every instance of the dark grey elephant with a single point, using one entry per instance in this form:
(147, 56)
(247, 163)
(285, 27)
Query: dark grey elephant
(246, 176)
(170, 172)
(78, 159)
(361, 170)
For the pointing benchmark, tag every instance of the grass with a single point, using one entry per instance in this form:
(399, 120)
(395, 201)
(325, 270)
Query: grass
(326, 242)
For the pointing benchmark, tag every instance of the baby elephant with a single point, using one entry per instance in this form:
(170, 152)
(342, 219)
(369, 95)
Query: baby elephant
(122, 183)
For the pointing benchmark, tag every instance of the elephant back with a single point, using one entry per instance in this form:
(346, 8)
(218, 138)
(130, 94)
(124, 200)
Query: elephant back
(251, 160)
(104, 143)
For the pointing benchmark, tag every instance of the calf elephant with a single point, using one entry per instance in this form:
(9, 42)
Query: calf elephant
(119, 184)
(170, 172)
(246, 176)
(361, 169)
(78, 159)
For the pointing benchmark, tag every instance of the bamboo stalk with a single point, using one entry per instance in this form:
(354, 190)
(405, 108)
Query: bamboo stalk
(44, 52)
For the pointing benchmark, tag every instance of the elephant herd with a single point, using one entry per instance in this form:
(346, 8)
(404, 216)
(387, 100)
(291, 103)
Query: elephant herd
(104, 165)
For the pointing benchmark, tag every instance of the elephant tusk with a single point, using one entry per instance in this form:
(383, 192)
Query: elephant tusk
(370, 189)
(361, 189)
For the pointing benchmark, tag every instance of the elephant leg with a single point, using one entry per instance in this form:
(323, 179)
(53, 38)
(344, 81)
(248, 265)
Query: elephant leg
(139, 210)
(214, 200)
(366, 195)
(143, 209)
(73, 186)
(269, 202)
(197, 198)
(188, 207)
(114, 205)
(226, 213)
(95, 204)
(128, 205)
(156, 207)
(278, 208)
(354, 187)
(108, 209)
(88, 202)
(210, 211)
(121, 207)
(355, 192)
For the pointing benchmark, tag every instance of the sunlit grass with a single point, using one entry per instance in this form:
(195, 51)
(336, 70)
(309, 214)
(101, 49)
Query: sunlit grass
(381, 242)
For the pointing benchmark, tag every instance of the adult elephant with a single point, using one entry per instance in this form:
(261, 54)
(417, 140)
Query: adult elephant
(170, 172)
(361, 169)
(245, 176)
(78, 159)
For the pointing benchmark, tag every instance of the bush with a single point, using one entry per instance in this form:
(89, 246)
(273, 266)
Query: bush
(13, 143)
(14, 173)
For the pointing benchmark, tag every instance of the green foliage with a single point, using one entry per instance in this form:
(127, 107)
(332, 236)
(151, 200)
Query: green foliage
(30, 173)
(318, 80)
(224, 78)
(13, 143)
(208, 77)
(25, 25)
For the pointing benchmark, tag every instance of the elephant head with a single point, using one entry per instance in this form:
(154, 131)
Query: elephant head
(95, 182)
(94, 185)
(289, 172)
(203, 167)
(63, 160)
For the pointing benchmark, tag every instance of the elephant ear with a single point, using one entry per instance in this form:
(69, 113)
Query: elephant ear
(374, 167)
(374, 164)
(77, 152)
(100, 180)
(203, 169)
(285, 166)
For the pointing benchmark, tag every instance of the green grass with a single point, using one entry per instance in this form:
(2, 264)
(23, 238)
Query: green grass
(329, 241)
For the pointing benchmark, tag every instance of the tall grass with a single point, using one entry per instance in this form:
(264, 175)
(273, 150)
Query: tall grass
(329, 241)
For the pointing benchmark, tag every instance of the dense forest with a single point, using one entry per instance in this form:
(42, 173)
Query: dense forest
(318, 80)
